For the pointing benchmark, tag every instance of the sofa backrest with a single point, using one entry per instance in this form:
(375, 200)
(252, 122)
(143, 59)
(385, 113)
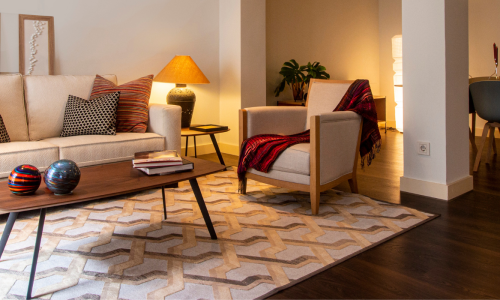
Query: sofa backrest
(12, 107)
(324, 96)
(46, 98)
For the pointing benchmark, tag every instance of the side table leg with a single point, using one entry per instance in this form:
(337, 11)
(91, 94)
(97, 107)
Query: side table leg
(194, 137)
(6, 232)
(39, 232)
(203, 207)
(187, 138)
(164, 204)
(216, 146)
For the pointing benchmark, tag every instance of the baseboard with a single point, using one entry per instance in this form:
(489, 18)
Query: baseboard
(209, 148)
(436, 190)
(200, 149)
(229, 149)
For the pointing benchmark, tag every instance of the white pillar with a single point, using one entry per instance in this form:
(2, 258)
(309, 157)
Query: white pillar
(242, 59)
(435, 60)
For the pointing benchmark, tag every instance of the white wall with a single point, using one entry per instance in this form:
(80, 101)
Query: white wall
(435, 60)
(342, 35)
(132, 38)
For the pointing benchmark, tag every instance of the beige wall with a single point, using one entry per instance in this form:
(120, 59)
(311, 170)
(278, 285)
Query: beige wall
(132, 38)
(390, 24)
(483, 32)
(342, 35)
(242, 63)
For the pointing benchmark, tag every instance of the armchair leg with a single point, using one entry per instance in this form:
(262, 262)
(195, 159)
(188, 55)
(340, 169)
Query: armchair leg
(315, 194)
(244, 186)
(353, 183)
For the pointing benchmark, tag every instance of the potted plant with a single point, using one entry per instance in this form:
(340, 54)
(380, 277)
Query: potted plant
(294, 77)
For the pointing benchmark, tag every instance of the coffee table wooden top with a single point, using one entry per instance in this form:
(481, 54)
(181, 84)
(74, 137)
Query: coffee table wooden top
(100, 182)
(189, 132)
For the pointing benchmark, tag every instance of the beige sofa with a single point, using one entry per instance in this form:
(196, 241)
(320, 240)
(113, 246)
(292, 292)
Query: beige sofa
(32, 108)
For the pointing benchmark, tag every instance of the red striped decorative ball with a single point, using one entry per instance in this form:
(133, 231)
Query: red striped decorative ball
(24, 180)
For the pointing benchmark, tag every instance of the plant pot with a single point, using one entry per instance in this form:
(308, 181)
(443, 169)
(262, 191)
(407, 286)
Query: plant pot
(298, 90)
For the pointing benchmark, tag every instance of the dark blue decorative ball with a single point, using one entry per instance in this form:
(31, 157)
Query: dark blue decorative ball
(62, 177)
(24, 180)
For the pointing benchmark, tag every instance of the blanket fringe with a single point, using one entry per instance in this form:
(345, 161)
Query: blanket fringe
(371, 155)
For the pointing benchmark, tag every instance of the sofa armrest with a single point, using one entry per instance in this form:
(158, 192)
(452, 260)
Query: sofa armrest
(338, 137)
(272, 120)
(165, 120)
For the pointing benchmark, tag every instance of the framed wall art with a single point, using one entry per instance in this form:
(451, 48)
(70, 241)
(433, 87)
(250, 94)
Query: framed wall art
(36, 45)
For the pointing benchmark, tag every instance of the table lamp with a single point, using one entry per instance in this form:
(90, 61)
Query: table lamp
(182, 70)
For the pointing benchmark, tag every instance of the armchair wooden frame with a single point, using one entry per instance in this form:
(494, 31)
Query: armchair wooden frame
(315, 187)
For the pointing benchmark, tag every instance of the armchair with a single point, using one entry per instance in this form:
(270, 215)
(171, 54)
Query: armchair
(329, 159)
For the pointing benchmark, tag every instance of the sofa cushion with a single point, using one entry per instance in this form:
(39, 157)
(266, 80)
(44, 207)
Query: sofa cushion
(88, 150)
(38, 154)
(12, 107)
(4, 135)
(46, 98)
(132, 113)
(84, 117)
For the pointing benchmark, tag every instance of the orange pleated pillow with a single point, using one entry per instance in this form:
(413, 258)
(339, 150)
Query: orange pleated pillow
(132, 111)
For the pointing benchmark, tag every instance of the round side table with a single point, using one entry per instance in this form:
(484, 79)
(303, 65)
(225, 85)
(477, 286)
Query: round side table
(187, 133)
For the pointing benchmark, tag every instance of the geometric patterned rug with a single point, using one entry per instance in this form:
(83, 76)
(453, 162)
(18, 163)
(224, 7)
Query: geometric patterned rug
(121, 248)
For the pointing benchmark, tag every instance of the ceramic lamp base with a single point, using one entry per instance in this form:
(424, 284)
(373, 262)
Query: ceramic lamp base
(185, 98)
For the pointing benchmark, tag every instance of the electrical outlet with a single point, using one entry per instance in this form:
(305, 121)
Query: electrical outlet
(424, 148)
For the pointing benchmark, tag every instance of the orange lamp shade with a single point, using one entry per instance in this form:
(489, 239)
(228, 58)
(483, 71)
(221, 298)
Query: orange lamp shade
(183, 70)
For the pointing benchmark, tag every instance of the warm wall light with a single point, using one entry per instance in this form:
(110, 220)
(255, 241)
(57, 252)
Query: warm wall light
(182, 70)
(397, 54)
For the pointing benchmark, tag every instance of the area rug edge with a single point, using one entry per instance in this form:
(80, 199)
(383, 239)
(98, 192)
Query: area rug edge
(297, 281)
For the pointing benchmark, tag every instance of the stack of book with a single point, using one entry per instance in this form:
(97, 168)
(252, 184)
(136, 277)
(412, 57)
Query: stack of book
(161, 162)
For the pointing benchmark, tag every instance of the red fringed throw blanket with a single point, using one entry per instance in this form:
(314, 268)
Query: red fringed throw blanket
(260, 151)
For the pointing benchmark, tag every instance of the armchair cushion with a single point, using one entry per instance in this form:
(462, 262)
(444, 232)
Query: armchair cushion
(294, 160)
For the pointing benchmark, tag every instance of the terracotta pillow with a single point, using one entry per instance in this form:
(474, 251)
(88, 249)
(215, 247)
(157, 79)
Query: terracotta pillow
(132, 112)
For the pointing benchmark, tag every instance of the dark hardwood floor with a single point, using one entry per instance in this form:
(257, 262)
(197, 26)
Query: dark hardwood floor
(454, 256)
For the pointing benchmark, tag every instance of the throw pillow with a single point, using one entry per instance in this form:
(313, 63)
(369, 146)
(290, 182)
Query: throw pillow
(4, 136)
(132, 113)
(85, 117)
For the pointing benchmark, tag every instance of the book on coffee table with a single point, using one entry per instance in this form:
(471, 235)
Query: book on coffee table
(185, 166)
(157, 156)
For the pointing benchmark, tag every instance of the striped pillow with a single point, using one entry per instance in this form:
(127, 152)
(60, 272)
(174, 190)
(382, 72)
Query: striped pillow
(132, 112)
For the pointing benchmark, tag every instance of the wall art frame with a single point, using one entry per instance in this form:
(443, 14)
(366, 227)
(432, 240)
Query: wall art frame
(36, 45)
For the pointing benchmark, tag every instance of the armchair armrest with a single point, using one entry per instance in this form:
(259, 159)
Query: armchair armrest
(165, 120)
(335, 140)
(271, 120)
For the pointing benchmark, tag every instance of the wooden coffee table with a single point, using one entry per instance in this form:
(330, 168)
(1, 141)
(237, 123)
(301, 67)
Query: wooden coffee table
(99, 182)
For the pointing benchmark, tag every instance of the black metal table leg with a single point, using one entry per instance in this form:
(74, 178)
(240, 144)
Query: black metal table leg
(39, 232)
(216, 146)
(6, 232)
(203, 207)
(194, 137)
(164, 205)
(187, 138)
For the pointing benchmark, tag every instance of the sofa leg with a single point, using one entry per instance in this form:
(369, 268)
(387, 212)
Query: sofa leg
(353, 183)
(244, 186)
(315, 194)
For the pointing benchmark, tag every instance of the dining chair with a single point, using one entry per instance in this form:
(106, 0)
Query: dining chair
(472, 131)
(486, 98)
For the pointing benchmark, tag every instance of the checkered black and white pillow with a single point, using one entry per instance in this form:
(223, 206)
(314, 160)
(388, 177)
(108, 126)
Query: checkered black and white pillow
(4, 136)
(90, 117)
